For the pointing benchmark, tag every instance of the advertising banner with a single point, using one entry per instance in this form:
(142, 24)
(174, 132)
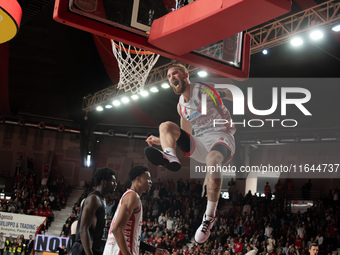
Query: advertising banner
(49, 243)
(13, 224)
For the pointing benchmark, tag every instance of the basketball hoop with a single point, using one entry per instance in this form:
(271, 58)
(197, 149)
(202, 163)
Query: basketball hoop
(134, 66)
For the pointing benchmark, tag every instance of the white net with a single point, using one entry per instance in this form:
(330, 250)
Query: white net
(134, 66)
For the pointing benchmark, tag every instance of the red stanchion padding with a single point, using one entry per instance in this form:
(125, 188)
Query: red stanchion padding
(204, 22)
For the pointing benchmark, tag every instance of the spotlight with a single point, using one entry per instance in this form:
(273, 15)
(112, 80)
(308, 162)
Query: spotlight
(202, 73)
(144, 93)
(125, 100)
(265, 52)
(88, 160)
(296, 42)
(100, 108)
(316, 35)
(154, 89)
(134, 97)
(336, 28)
(108, 106)
(116, 103)
(165, 85)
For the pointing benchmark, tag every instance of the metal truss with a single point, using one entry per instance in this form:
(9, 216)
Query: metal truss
(156, 76)
(278, 32)
(267, 36)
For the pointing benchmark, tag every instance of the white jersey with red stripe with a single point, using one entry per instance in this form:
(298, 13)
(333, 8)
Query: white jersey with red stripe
(205, 136)
(203, 124)
(132, 231)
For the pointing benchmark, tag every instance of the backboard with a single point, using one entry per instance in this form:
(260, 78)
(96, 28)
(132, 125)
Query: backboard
(134, 22)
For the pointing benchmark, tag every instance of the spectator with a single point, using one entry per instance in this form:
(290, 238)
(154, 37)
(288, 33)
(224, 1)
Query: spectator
(9, 246)
(267, 231)
(240, 228)
(162, 220)
(239, 245)
(271, 244)
(18, 246)
(2, 243)
(29, 244)
(251, 249)
(267, 191)
(278, 190)
(319, 239)
(62, 250)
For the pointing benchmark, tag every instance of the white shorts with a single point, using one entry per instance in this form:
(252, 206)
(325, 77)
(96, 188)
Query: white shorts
(201, 146)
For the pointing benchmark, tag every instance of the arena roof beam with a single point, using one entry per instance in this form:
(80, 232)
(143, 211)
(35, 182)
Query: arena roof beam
(267, 36)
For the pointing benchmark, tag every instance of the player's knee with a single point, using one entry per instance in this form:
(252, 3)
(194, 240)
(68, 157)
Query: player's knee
(167, 127)
(214, 158)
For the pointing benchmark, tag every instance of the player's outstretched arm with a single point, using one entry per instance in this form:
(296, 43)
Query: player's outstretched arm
(153, 140)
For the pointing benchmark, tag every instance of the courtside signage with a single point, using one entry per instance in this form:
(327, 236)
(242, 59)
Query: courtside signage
(49, 243)
(15, 224)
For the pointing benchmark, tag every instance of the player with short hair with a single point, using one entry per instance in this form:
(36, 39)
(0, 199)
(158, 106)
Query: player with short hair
(91, 220)
(196, 137)
(125, 230)
(313, 249)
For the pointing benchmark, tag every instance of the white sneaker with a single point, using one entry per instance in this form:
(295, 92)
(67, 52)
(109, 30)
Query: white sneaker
(160, 158)
(203, 232)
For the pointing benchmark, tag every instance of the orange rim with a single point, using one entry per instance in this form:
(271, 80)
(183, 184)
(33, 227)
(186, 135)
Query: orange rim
(141, 52)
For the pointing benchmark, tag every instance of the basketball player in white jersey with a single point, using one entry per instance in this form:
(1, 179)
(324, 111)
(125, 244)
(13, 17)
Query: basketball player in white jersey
(210, 145)
(125, 230)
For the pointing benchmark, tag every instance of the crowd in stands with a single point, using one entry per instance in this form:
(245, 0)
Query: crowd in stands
(173, 211)
(33, 196)
(245, 224)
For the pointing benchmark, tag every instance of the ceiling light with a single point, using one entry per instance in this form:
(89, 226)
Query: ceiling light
(134, 97)
(116, 103)
(316, 35)
(296, 42)
(165, 85)
(108, 106)
(99, 108)
(154, 89)
(336, 28)
(202, 73)
(125, 100)
(144, 93)
(265, 52)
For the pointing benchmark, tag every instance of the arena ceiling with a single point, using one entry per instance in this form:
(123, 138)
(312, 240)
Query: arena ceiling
(53, 66)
